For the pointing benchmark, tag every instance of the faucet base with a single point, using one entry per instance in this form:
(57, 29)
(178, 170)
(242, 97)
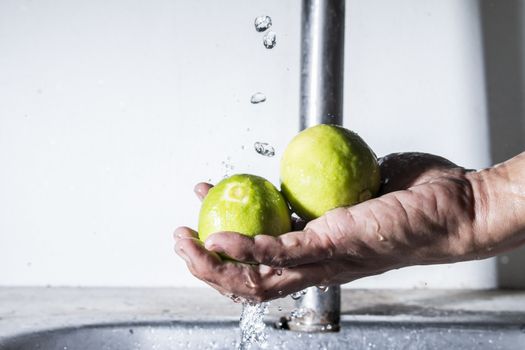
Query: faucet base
(288, 324)
(318, 310)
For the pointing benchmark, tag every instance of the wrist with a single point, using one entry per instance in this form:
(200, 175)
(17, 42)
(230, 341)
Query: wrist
(499, 213)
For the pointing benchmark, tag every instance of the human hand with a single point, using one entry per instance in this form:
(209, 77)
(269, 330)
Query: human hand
(427, 213)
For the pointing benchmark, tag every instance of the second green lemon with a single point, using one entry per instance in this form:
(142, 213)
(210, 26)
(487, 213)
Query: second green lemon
(326, 167)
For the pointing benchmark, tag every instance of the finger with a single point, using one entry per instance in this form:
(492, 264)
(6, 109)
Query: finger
(201, 262)
(291, 280)
(289, 249)
(400, 171)
(251, 282)
(184, 232)
(262, 283)
(230, 278)
(201, 189)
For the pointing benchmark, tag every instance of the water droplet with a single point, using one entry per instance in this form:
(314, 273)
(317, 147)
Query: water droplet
(279, 272)
(323, 288)
(228, 167)
(380, 238)
(236, 298)
(264, 149)
(279, 308)
(270, 40)
(296, 295)
(242, 147)
(280, 292)
(258, 97)
(262, 23)
(249, 284)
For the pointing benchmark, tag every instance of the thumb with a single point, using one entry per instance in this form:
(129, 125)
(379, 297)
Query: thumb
(289, 249)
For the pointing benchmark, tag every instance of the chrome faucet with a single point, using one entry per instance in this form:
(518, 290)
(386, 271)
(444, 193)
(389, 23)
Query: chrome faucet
(322, 68)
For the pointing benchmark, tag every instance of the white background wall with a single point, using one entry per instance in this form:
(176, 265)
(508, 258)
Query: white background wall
(110, 112)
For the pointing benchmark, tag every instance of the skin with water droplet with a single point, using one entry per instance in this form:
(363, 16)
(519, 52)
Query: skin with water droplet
(249, 284)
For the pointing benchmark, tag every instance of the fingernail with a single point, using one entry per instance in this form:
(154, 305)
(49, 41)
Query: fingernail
(177, 233)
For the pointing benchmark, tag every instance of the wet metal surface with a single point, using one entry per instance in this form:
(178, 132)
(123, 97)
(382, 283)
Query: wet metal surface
(355, 334)
(200, 318)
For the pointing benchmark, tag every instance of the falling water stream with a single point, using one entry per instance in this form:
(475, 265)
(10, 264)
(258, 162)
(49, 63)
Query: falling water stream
(251, 324)
(253, 328)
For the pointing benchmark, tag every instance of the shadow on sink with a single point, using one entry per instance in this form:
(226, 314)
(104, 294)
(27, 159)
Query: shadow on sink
(355, 334)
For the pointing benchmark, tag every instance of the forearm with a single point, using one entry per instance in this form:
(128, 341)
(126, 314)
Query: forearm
(500, 206)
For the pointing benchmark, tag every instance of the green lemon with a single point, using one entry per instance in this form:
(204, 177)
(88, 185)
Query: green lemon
(326, 167)
(246, 204)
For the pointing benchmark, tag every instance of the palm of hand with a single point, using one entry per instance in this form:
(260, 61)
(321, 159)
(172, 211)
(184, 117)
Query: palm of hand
(424, 215)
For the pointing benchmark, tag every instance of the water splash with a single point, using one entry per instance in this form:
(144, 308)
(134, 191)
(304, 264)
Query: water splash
(253, 328)
(270, 40)
(264, 149)
(258, 97)
(298, 313)
(262, 23)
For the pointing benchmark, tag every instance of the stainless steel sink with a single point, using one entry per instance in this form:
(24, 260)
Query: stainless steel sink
(200, 318)
(356, 333)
